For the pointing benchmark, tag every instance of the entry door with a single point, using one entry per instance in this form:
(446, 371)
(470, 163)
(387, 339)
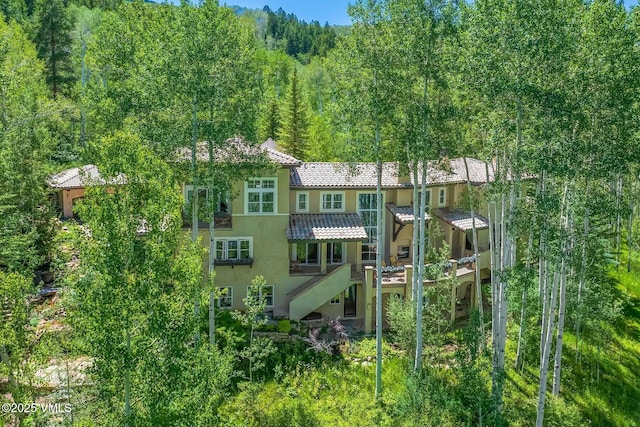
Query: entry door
(350, 301)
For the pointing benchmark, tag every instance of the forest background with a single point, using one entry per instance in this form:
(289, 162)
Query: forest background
(544, 89)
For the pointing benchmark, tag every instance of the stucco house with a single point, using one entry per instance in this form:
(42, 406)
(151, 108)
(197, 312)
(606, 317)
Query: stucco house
(310, 229)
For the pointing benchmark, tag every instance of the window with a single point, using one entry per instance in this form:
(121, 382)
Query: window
(403, 252)
(367, 210)
(308, 253)
(265, 292)
(335, 253)
(233, 249)
(261, 196)
(225, 298)
(332, 202)
(302, 201)
(222, 203)
(427, 195)
(442, 197)
(335, 300)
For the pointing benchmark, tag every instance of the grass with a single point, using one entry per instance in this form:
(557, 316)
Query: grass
(603, 388)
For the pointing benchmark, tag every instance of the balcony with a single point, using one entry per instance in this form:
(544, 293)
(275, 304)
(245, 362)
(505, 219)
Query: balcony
(234, 262)
(222, 221)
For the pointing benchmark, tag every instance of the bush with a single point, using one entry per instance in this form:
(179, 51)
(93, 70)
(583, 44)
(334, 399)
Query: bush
(284, 326)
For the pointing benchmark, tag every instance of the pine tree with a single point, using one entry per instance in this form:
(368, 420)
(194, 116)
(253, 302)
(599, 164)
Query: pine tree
(294, 133)
(53, 41)
(269, 120)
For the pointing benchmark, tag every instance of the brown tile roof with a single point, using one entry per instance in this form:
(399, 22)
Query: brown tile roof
(453, 172)
(237, 150)
(343, 175)
(82, 177)
(404, 214)
(363, 175)
(76, 177)
(340, 226)
(461, 219)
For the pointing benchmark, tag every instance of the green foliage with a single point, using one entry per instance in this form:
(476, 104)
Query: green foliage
(15, 334)
(294, 132)
(53, 41)
(297, 38)
(26, 115)
(132, 301)
(284, 326)
(259, 348)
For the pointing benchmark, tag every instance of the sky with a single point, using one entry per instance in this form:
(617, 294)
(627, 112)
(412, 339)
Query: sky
(332, 11)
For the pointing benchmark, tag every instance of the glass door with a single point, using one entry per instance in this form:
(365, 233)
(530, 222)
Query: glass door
(350, 301)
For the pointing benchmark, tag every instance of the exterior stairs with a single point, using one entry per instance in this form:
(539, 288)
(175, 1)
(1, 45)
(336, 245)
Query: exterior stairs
(317, 291)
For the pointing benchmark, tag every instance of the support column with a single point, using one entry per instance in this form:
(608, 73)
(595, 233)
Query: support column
(323, 258)
(368, 298)
(454, 293)
(408, 279)
(358, 257)
(453, 301)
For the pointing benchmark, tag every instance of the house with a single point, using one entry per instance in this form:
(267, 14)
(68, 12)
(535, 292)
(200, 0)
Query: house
(310, 229)
(69, 187)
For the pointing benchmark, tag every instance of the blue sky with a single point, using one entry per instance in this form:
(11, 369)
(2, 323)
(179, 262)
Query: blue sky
(332, 11)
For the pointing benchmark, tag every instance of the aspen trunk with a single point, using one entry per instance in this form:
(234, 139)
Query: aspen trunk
(127, 381)
(212, 244)
(474, 233)
(632, 197)
(544, 366)
(416, 229)
(583, 274)
(421, 257)
(557, 367)
(379, 254)
(194, 201)
(618, 218)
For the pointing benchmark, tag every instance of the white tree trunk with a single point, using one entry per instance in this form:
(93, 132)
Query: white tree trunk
(379, 255)
(544, 366)
(194, 210)
(474, 233)
(557, 367)
(421, 258)
(415, 281)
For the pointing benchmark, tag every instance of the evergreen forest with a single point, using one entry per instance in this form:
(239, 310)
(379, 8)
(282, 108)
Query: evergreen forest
(546, 91)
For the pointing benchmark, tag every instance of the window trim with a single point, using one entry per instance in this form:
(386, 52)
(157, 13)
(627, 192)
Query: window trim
(329, 253)
(306, 258)
(427, 198)
(442, 191)
(384, 218)
(225, 199)
(261, 191)
(225, 248)
(273, 294)
(228, 295)
(302, 193)
(332, 193)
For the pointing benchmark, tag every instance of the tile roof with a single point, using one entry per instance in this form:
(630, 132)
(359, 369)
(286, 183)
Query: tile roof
(453, 171)
(363, 175)
(82, 177)
(461, 219)
(344, 175)
(404, 214)
(76, 177)
(340, 226)
(237, 150)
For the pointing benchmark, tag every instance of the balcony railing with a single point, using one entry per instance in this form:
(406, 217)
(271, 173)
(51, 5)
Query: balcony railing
(221, 221)
(234, 262)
